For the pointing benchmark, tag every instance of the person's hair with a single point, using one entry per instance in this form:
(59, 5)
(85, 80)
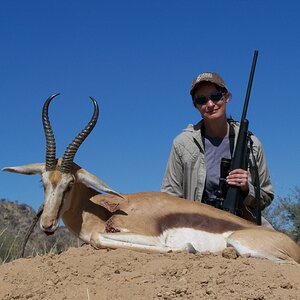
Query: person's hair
(221, 89)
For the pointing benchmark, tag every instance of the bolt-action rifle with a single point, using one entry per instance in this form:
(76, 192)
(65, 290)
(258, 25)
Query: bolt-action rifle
(240, 156)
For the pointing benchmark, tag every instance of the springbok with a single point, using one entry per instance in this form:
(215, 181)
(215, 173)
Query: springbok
(149, 221)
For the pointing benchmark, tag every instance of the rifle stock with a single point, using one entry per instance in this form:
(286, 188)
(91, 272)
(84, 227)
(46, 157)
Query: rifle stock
(239, 160)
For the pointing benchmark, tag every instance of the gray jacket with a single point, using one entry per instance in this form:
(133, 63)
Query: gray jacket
(186, 171)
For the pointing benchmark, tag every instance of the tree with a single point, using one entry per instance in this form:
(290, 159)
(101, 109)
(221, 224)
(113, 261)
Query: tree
(284, 214)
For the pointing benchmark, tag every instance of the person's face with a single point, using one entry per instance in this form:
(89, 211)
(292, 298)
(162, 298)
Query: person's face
(213, 108)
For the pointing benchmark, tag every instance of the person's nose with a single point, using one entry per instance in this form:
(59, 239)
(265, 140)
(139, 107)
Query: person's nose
(210, 103)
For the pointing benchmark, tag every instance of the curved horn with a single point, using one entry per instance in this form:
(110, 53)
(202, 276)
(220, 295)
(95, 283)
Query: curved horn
(74, 146)
(50, 140)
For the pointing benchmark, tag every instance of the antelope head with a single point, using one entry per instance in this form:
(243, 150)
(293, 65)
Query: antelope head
(61, 177)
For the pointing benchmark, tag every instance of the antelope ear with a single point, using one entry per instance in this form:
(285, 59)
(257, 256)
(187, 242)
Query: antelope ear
(94, 182)
(27, 169)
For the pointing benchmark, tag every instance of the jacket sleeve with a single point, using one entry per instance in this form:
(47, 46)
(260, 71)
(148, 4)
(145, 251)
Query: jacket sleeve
(173, 179)
(266, 189)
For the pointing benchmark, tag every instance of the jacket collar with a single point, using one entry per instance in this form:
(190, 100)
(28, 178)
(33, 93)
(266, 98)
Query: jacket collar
(197, 132)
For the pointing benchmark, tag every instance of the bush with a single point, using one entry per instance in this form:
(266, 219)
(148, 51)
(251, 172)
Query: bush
(284, 214)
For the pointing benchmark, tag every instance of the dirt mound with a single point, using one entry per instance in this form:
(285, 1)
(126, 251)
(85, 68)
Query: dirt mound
(86, 273)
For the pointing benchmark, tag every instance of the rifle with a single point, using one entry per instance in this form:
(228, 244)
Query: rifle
(239, 160)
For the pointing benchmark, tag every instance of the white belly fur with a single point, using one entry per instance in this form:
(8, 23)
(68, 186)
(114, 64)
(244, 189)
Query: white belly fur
(202, 241)
(176, 239)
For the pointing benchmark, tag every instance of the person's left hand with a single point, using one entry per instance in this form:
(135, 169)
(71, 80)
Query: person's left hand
(238, 178)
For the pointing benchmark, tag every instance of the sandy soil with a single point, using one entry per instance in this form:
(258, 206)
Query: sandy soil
(86, 273)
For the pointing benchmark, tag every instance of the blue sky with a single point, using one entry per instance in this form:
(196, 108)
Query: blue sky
(138, 58)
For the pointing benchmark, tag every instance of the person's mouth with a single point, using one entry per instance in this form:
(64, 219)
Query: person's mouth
(211, 112)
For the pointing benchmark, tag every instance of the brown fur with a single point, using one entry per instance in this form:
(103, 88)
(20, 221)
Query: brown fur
(55, 178)
(150, 214)
(168, 211)
(95, 217)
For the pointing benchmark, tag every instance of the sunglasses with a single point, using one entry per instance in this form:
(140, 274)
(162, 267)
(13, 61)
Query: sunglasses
(216, 96)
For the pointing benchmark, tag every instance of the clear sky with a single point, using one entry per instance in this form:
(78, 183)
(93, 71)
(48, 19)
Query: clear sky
(138, 58)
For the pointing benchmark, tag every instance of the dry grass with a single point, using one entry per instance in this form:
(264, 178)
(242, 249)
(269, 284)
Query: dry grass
(15, 220)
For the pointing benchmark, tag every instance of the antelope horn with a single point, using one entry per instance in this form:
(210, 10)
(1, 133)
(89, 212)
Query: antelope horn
(50, 140)
(74, 146)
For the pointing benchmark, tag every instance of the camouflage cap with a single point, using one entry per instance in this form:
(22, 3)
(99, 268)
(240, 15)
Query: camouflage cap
(208, 77)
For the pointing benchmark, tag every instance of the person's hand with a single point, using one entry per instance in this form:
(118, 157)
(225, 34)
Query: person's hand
(238, 178)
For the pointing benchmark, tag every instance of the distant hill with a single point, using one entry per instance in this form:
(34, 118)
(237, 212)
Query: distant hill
(15, 220)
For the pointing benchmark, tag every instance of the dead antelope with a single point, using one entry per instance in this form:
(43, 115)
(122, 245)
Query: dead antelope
(143, 221)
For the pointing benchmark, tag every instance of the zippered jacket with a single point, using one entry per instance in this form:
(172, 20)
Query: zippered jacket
(186, 171)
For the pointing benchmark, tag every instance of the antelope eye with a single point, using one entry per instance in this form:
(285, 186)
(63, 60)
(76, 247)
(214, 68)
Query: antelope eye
(69, 186)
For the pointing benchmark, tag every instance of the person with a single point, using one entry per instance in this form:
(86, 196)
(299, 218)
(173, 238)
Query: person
(193, 168)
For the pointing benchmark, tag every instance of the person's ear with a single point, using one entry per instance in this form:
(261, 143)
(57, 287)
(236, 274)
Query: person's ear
(227, 97)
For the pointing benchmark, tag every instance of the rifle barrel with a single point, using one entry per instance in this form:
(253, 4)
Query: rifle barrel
(239, 157)
(249, 85)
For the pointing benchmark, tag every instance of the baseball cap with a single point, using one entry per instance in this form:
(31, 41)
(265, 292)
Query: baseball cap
(208, 77)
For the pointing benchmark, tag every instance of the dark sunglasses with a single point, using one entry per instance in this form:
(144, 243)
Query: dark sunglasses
(216, 96)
